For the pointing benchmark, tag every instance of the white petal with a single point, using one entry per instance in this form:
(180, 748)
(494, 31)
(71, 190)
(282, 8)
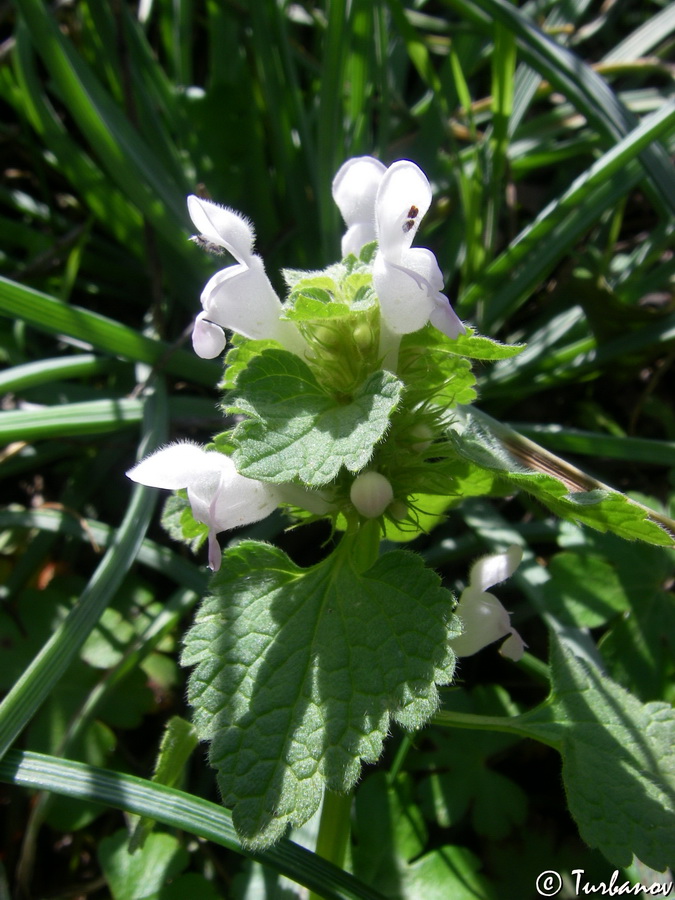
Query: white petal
(242, 299)
(406, 301)
(445, 318)
(208, 340)
(403, 198)
(207, 483)
(215, 553)
(355, 188)
(356, 237)
(297, 495)
(222, 226)
(513, 647)
(241, 501)
(484, 619)
(173, 467)
(490, 570)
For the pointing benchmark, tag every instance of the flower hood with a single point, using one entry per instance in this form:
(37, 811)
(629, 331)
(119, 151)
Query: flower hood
(387, 205)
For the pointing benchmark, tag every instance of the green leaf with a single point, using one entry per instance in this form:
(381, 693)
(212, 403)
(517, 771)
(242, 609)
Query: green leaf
(429, 876)
(190, 885)
(179, 522)
(297, 430)
(618, 764)
(389, 830)
(299, 672)
(584, 590)
(140, 875)
(390, 840)
(240, 354)
(430, 362)
(565, 490)
(178, 742)
(639, 648)
(478, 346)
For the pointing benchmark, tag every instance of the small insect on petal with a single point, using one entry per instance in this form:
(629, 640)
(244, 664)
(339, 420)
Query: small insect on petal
(208, 246)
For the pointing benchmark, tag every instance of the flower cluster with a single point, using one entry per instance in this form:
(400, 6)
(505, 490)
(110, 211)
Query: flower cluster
(378, 204)
(384, 289)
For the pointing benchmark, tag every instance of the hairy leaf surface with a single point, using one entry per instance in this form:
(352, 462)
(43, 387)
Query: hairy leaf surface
(297, 429)
(300, 671)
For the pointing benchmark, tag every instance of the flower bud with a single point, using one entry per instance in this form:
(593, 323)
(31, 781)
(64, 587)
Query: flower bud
(423, 436)
(371, 493)
(363, 337)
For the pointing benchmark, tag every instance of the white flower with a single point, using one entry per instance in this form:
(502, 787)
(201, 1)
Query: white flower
(388, 205)
(354, 191)
(219, 496)
(484, 618)
(239, 297)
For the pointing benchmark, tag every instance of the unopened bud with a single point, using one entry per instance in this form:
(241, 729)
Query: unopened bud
(424, 436)
(371, 493)
(363, 337)
(398, 510)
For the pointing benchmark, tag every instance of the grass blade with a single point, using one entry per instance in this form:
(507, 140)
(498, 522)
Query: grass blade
(577, 81)
(48, 314)
(179, 810)
(30, 691)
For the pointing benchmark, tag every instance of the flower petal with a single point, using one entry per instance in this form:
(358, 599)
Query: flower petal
(356, 237)
(513, 647)
(403, 198)
(484, 619)
(215, 553)
(241, 501)
(207, 484)
(445, 318)
(404, 290)
(222, 226)
(172, 467)
(296, 495)
(242, 299)
(355, 188)
(496, 567)
(208, 339)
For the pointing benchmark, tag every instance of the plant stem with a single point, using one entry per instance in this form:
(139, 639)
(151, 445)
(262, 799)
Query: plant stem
(334, 827)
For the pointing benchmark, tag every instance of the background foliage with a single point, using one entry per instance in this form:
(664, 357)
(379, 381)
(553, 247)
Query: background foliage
(545, 130)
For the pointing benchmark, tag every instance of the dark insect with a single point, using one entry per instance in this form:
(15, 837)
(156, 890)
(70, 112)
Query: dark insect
(413, 212)
(208, 246)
